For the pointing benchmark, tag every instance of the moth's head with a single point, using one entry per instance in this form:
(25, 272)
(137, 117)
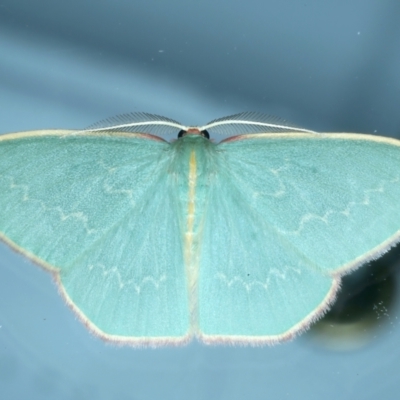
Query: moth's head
(193, 131)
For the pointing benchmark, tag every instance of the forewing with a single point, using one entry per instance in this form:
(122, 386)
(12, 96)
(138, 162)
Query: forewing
(100, 211)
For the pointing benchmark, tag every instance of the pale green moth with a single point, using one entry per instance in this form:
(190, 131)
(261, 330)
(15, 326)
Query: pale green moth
(240, 242)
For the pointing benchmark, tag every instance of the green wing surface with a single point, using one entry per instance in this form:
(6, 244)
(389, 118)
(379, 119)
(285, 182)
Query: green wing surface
(100, 211)
(288, 214)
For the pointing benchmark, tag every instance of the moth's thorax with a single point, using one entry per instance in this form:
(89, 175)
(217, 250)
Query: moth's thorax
(194, 157)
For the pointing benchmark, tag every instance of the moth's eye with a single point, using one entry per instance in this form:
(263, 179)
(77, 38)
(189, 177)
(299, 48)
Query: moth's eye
(181, 133)
(205, 134)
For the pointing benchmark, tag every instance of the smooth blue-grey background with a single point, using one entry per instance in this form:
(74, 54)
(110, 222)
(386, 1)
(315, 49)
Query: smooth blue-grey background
(325, 65)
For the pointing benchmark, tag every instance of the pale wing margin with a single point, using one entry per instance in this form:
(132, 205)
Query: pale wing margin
(100, 211)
